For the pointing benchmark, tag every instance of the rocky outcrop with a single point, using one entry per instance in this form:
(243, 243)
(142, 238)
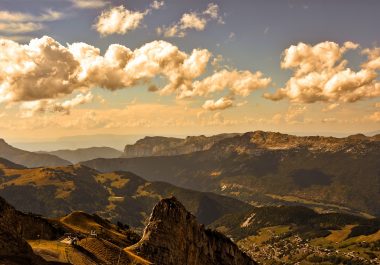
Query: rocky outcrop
(29, 159)
(13, 248)
(252, 142)
(173, 236)
(169, 146)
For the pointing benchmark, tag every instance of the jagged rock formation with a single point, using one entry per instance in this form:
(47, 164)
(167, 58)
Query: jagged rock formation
(173, 236)
(83, 154)
(169, 146)
(13, 248)
(29, 159)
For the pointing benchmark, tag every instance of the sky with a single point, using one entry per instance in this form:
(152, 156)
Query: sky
(166, 67)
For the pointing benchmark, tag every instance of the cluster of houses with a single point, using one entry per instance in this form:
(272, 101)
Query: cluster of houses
(288, 250)
(73, 238)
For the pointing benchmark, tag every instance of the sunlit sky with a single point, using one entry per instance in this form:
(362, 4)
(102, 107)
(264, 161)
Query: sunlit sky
(188, 67)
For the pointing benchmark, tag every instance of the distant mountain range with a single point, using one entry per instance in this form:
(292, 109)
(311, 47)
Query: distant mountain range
(83, 154)
(77, 141)
(264, 167)
(169, 146)
(29, 159)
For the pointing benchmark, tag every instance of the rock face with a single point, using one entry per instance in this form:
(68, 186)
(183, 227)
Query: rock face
(13, 248)
(169, 146)
(29, 159)
(258, 141)
(173, 236)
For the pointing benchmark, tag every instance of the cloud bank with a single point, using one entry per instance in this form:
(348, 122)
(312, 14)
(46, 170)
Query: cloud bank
(46, 70)
(321, 74)
(18, 22)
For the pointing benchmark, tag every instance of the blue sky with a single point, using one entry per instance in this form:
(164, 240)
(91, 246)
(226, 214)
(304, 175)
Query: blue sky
(253, 36)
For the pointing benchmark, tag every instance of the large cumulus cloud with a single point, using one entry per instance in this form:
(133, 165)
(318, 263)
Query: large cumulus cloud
(46, 70)
(321, 74)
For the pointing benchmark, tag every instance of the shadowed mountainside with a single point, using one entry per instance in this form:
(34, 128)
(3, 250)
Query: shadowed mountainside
(29, 159)
(119, 196)
(83, 154)
(13, 247)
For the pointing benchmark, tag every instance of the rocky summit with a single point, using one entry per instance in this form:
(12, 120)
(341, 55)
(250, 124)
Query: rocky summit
(169, 146)
(173, 236)
(13, 247)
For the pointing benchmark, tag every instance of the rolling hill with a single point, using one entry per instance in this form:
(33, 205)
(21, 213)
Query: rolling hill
(339, 174)
(117, 196)
(29, 159)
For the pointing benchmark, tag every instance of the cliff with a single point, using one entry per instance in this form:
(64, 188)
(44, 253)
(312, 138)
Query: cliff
(173, 236)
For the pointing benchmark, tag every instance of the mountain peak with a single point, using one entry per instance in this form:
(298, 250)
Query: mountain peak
(3, 142)
(170, 208)
(173, 236)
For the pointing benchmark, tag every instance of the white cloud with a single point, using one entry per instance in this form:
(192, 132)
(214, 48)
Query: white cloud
(46, 70)
(321, 74)
(19, 38)
(220, 104)
(32, 108)
(329, 120)
(20, 27)
(240, 83)
(295, 114)
(212, 10)
(191, 20)
(48, 15)
(18, 22)
(90, 4)
(42, 69)
(118, 20)
(375, 116)
(331, 107)
(157, 4)
(373, 58)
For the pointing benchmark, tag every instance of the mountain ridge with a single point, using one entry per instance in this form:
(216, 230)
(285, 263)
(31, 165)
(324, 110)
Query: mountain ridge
(82, 154)
(29, 159)
(165, 146)
(273, 166)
